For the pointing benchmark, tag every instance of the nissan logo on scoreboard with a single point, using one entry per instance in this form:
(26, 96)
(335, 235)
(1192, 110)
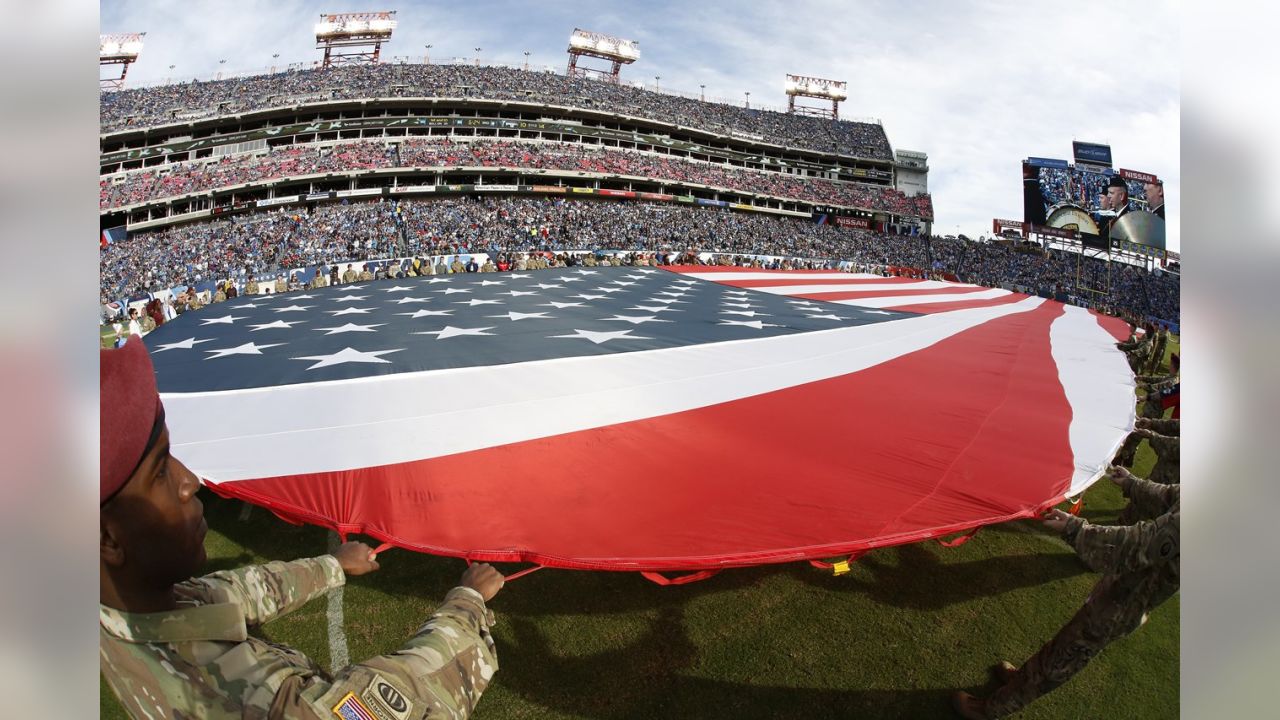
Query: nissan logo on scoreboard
(1138, 176)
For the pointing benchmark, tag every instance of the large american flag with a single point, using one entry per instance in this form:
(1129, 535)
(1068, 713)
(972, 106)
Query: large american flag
(646, 418)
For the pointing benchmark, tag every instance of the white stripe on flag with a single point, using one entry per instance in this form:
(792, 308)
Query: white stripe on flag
(778, 275)
(345, 425)
(1100, 389)
(861, 287)
(896, 300)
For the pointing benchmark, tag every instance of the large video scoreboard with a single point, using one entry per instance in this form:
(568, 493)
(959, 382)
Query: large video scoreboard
(1109, 207)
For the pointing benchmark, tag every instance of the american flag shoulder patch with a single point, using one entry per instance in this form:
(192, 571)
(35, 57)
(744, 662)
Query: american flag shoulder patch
(351, 708)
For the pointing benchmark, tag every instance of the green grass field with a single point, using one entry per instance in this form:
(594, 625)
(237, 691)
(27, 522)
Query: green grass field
(891, 639)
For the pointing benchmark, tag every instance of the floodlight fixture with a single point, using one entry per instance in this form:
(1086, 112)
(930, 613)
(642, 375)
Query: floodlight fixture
(618, 51)
(823, 89)
(353, 34)
(118, 49)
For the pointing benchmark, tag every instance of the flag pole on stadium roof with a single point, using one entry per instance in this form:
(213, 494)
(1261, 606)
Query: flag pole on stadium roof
(584, 43)
(347, 37)
(118, 49)
(802, 86)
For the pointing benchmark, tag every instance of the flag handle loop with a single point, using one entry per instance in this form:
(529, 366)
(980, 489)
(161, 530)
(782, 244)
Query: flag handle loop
(522, 573)
(840, 567)
(661, 579)
(958, 541)
(1077, 507)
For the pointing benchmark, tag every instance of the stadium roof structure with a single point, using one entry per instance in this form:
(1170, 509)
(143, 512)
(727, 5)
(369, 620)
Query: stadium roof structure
(642, 419)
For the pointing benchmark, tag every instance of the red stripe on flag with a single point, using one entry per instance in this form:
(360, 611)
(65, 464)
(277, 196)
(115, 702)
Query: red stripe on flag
(1118, 328)
(699, 269)
(969, 431)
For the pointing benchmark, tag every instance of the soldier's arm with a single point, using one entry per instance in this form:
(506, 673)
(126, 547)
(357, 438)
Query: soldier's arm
(1172, 427)
(268, 591)
(1150, 499)
(1113, 549)
(444, 667)
(1157, 440)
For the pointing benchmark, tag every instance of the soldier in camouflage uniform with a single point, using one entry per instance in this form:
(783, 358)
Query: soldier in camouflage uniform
(1139, 566)
(251, 287)
(282, 285)
(173, 646)
(1168, 456)
(1157, 350)
(365, 275)
(1152, 407)
(1137, 350)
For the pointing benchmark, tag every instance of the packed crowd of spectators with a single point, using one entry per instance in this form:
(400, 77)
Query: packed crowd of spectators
(142, 185)
(232, 170)
(195, 253)
(264, 244)
(145, 107)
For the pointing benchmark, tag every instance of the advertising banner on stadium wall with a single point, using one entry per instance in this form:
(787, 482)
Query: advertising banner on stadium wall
(1055, 232)
(364, 192)
(497, 188)
(585, 191)
(272, 202)
(712, 203)
(853, 222)
(662, 197)
(548, 189)
(321, 196)
(616, 193)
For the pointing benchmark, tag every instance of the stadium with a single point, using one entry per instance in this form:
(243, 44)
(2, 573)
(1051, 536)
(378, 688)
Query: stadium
(781, 277)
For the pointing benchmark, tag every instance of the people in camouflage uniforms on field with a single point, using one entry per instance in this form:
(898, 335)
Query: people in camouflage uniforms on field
(1137, 350)
(1139, 566)
(1157, 350)
(1152, 408)
(173, 646)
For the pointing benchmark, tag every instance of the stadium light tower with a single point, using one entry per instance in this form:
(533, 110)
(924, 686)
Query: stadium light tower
(801, 86)
(346, 37)
(119, 49)
(584, 43)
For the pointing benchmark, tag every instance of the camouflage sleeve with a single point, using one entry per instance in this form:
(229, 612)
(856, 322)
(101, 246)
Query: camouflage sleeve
(1171, 427)
(268, 591)
(1112, 549)
(1162, 443)
(1150, 499)
(439, 673)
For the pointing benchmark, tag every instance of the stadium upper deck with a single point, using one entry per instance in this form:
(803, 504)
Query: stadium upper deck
(187, 102)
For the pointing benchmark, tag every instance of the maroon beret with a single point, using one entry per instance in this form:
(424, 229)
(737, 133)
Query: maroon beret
(129, 407)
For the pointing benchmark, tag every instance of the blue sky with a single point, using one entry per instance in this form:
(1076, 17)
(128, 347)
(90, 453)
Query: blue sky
(976, 85)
